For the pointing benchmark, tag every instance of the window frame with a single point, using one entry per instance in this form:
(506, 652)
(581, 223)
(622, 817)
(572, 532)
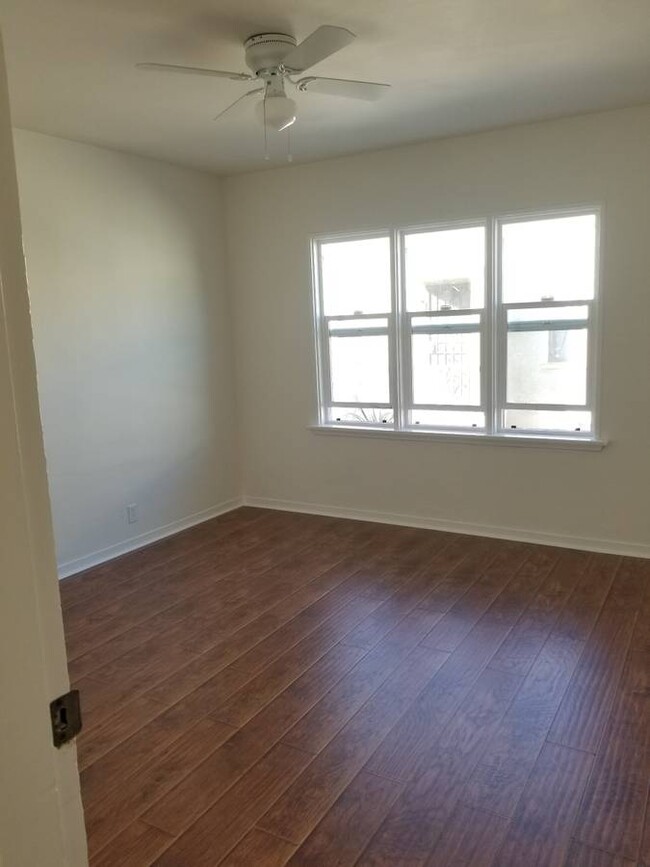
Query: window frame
(492, 328)
(322, 330)
(405, 318)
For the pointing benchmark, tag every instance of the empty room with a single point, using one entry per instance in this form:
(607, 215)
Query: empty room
(325, 433)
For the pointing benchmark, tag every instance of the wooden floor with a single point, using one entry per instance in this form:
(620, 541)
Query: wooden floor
(272, 688)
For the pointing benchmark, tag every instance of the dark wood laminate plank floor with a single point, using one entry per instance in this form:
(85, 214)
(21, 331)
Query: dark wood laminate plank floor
(273, 688)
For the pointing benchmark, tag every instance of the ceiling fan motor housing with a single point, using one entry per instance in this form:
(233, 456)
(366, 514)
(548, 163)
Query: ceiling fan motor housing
(267, 50)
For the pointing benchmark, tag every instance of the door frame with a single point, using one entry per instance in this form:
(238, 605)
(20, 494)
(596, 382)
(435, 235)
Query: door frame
(41, 816)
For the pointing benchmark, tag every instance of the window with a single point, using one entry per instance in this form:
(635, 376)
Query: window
(484, 328)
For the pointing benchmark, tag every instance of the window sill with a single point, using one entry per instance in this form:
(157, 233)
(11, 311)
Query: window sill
(525, 440)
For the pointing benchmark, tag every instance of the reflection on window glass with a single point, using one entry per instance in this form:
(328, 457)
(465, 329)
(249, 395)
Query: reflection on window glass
(567, 421)
(447, 369)
(445, 270)
(533, 377)
(356, 276)
(543, 260)
(359, 369)
(557, 347)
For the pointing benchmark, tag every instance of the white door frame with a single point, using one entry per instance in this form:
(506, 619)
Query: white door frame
(41, 817)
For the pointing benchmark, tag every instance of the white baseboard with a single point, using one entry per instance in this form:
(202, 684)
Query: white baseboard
(603, 546)
(86, 562)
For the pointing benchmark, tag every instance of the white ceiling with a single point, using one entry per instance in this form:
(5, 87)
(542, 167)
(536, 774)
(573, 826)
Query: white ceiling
(455, 66)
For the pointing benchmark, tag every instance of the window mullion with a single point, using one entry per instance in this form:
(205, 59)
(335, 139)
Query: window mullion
(325, 396)
(500, 332)
(402, 343)
(490, 335)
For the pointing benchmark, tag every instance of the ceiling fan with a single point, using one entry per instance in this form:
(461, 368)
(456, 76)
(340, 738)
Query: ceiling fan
(275, 60)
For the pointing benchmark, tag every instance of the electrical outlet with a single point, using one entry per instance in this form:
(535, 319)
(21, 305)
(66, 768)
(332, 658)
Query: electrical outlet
(132, 513)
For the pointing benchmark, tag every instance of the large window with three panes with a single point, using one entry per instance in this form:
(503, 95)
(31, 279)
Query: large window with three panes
(485, 327)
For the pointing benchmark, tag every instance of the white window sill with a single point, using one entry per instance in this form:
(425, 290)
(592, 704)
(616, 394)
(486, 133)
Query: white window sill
(506, 439)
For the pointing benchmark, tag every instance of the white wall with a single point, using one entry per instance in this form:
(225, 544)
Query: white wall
(125, 265)
(597, 499)
(125, 260)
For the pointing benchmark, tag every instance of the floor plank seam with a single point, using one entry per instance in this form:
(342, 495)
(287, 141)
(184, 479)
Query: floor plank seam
(645, 829)
(611, 852)
(383, 777)
(151, 825)
(276, 835)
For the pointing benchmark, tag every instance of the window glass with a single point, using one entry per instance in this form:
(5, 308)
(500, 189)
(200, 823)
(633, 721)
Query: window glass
(445, 269)
(359, 369)
(369, 415)
(356, 276)
(552, 259)
(447, 368)
(562, 421)
(547, 367)
(447, 418)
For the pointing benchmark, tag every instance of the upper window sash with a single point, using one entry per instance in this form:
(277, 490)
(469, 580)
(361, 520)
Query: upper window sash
(558, 263)
(460, 252)
(347, 279)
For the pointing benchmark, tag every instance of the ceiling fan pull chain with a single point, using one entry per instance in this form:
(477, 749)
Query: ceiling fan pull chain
(266, 135)
(289, 154)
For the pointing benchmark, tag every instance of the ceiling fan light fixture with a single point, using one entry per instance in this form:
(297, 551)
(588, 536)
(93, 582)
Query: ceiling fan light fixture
(279, 112)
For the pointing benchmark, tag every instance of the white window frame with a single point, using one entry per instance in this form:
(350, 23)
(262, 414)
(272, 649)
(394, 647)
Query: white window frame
(406, 317)
(493, 331)
(323, 333)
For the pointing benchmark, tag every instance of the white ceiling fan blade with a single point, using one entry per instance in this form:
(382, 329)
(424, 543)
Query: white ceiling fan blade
(195, 70)
(237, 101)
(368, 90)
(320, 44)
